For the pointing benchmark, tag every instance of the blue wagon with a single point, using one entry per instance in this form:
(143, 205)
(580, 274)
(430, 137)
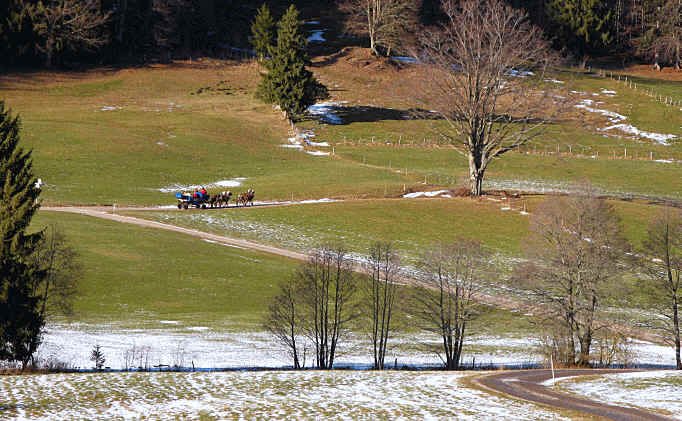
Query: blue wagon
(187, 200)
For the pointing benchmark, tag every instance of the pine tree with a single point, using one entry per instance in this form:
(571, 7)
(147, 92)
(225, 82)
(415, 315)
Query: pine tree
(263, 32)
(583, 26)
(288, 83)
(21, 321)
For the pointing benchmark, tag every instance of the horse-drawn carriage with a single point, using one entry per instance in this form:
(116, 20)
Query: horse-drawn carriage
(201, 199)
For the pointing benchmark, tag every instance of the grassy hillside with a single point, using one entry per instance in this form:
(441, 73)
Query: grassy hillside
(135, 277)
(413, 224)
(119, 136)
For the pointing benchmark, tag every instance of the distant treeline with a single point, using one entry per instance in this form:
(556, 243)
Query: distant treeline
(70, 32)
(132, 31)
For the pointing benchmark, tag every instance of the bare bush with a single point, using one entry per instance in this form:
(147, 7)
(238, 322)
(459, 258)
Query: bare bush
(316, 303)
(380, 293)
(385, 22)
(285, 322)
(576, 254)
(446, 305)
(71, 24)
(660, 261)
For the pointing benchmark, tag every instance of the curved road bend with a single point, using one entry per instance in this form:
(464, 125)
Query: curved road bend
(527, 385)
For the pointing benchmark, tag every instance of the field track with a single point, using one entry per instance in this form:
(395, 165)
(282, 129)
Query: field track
(527, 385)
(106, 212)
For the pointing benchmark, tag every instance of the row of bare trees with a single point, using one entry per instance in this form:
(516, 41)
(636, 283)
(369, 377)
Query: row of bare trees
(325, 299)
(578, 269)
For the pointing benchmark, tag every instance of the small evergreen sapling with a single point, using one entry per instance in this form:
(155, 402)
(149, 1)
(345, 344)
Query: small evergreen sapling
(263, 32)
(97, 356)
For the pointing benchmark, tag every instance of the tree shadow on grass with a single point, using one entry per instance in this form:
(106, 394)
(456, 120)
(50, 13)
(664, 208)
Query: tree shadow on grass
(339, 114)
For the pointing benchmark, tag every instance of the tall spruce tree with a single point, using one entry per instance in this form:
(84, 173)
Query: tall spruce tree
(287, 82)
(263, 32)
(585, 27)
(21, 321)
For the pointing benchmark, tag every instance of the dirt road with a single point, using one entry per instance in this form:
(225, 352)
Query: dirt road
(527, 385)
(106, 213)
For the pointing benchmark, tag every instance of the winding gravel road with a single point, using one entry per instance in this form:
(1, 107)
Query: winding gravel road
(527, 385)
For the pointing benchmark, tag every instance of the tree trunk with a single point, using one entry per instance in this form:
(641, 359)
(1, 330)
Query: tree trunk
(475, 176)
(657, 66)
(585, 344)
(583, 63)
(48, 56)
(676, 327)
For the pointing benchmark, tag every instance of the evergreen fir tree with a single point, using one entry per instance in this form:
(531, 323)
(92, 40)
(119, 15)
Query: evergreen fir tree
(263, 32)
(288, 83)
(21, 321)
(583, 26)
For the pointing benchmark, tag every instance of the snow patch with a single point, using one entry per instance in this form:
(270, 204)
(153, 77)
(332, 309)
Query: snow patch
(326, 112)
(554, 81)
(110, 108)
(657, 390)
(613, 116)
(520, 73)
(317, 153)
(317, 144)
(316, 35)
(404, 59)
(426, 194)
(630, 129)
(235, 182)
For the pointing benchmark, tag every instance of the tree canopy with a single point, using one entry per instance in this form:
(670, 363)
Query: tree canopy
(287, 83)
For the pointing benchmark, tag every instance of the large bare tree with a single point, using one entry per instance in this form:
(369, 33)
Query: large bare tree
(68, 24)
(446, 305)
(576, 253)
(660, 261)
(381, 291)
(478, 80)
(385, 22)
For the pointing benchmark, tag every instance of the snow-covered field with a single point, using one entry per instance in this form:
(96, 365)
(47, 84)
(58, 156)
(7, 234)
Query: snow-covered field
(659, 390)
(341, 395)
(185, 345)
(176, 343)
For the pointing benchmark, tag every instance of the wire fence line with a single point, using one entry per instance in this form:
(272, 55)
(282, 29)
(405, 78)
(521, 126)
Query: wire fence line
(627, 81)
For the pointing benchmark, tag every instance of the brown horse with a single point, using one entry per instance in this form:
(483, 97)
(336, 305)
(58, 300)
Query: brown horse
(241, 199)
(224, 198)
(250, 195)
